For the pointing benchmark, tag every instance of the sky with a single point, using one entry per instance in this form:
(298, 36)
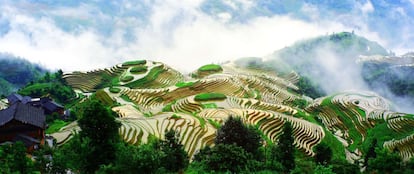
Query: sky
(185, 34)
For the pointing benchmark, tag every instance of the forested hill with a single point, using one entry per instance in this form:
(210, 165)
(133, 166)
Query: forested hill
(16, 72)
(342, 61)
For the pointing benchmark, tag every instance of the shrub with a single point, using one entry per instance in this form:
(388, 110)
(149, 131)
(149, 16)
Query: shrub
(167, 108)
(175, 116)
(127, 78)
(102, 96)
(210, 67)
(138, 69)
(223, 158)
(146, 81)
(209, 96)
(114, 90)
(126, 98)
(135, 62)
(209, 105)
(176, 158)
(184, 84)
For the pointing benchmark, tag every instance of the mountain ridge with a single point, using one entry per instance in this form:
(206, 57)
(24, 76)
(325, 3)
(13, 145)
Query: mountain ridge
(158, 98)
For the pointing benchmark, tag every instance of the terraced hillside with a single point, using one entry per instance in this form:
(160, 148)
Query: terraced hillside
(151, 98)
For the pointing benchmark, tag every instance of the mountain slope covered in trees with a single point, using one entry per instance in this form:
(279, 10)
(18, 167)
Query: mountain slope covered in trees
(16, 72)
(343, 61)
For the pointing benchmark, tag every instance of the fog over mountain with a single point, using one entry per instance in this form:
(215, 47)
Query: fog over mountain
(77, 35)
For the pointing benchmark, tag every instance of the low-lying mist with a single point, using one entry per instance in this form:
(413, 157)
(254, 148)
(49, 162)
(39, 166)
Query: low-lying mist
(330, 62)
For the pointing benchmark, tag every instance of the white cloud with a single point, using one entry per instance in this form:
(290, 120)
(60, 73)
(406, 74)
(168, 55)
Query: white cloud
(367, 7)
(178, 33)
(224, 17)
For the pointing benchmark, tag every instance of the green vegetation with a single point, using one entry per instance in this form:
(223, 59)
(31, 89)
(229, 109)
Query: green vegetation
(235, 132)
(52, 85)
(239, 148)
(214, 123)
(348, 117)
(55, 126)
(16, 72)
(135, 62)
(385, 161)
(108, 80)
(146, 81)
(114, 90)
(167, 107)
(209, 105)
(212, 159)
(126, 98)
(397, 80)
(158, 156)
(13, 159)
(96, 143)
(175, 116)
(127, 78)
(286, 149)
(323, 154)
(300, 103)
(211, 68)
(382, 133)
(102, 96)
(206, 70)
(184, 84)
(138, 69)
(309, 88)
(209, 96)
(336, 146)
(34, 88)
(236, 144)
(201, 120)
(175, 159)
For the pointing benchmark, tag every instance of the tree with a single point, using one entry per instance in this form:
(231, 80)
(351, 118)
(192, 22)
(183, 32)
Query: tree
(235, 132)
(43, 158)
(13, 159)
(323, 154)
(384, 162)
(286, 148)
(322, 169)
(175, 158)
(341, 166)
(99, 127)
(223, 158)
(272, 159)
(132, 159)
(72, 155)
(370, 152)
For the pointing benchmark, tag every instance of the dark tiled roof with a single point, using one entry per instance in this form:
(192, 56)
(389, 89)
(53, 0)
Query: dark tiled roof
(13, 98)
(27, 140)
(7, 114)
(24, 113)
(52, 106)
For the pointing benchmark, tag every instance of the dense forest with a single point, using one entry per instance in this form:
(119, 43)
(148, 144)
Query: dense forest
(16, 72)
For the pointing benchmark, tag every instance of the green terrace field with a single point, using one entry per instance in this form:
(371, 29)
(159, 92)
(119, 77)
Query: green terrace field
(151, 97)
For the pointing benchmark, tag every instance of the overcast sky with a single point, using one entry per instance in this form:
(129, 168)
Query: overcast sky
(186, 34)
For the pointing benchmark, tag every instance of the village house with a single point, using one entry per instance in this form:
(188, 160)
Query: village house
(23, 122)
(46, 103)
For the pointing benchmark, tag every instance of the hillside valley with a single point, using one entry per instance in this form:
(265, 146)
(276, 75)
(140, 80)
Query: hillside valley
(290, 87)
